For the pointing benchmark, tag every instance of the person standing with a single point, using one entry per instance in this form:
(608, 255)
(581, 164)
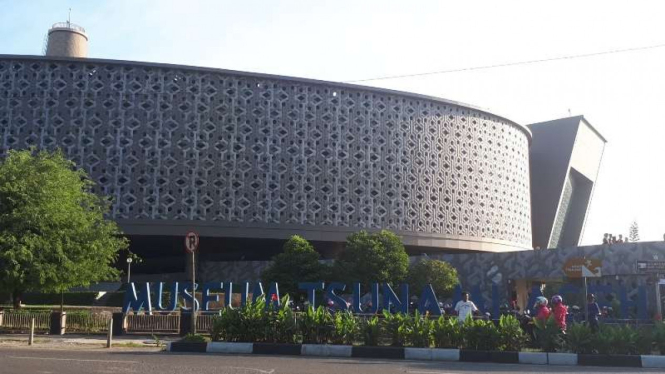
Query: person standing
(593, 312)
(465, 308)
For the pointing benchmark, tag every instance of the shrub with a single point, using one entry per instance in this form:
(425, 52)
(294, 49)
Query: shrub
(659, 336)
(194, 338)
(511, 335)
(376, 257)
(480, 335)
(579, 339)
(622, 340)
(282, 323)
(441, 275)
(254, 321)
(447, 333)
(227, 326)
(345, 328)
(370, 330)
(395, 326)
(247, 324)
(419, 330)
(315, 325)
(298, 263)
(548, 334)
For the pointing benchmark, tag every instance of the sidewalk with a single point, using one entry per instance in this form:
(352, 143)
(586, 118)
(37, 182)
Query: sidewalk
(86, 341)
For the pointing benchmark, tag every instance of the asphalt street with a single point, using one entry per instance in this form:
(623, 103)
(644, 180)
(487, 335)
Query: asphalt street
(41, 361)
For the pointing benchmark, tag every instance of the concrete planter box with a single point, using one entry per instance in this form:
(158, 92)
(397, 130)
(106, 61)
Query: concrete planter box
(187, 347)
(226, 347)
(474, 356)
(562, 359)
(277, 349)
(326, 350)
(445, 354)
(418, 353)
(489, 356)
(649, 361)
(533, 358)
(610, 360)
(504, 357)
(378, 352)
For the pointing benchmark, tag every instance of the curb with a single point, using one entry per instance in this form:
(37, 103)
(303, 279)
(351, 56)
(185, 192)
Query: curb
(649, 361)
(421, 354)
(532, 358)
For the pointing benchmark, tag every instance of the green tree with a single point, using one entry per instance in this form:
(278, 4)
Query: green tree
(440, 274)
(634, 232)
(298, 263)
(376, 257)
(53, 234)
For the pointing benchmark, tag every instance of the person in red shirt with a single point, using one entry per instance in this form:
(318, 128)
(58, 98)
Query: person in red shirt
(559, 311)
(542, 311)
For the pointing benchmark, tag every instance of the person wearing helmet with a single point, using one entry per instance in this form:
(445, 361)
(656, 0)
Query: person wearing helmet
(542, 311)
(559, 310)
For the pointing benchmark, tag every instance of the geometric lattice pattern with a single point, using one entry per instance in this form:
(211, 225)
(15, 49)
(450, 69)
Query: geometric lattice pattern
(201, 144)
(564, 208)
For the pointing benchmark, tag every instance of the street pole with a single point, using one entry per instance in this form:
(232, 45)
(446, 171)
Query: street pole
(193, 293)
(109, 336)
(129, 269)
(31, 339)
(659, 304)
(586, 302)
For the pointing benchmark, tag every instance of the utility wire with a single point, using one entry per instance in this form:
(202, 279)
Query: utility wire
(484, 67)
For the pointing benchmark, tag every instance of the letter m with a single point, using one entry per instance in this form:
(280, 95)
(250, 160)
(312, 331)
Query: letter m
(132, 301)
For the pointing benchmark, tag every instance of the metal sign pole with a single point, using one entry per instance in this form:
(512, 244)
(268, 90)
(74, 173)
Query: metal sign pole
(193, 293)
(659, 304)
(191, 244)
(586, 302)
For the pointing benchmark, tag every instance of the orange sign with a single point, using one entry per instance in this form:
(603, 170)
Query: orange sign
(578, 267)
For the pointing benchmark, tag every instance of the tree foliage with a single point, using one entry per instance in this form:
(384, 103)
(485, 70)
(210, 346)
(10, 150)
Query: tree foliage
(298, 263)
(53, 234)
(440, 274)
(634, 232)
(376, 257)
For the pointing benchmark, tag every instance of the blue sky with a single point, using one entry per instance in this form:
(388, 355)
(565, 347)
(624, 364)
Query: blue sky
(622, 95)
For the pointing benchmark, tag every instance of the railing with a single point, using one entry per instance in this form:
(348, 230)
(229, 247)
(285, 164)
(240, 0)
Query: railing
(68, 25)
(153, 323)
(21, 320)
(204, 323)
(87, 322)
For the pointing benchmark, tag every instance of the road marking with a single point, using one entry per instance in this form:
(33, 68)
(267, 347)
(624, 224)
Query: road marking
(71, 359)
(428, 372)
(259, 370)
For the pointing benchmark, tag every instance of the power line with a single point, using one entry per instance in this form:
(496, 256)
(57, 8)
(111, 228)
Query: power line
(484, 67)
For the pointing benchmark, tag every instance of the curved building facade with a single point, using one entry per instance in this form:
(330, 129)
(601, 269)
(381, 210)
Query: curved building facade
(242, 155)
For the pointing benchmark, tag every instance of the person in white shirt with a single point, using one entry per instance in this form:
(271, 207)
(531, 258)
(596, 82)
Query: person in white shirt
(465, 308)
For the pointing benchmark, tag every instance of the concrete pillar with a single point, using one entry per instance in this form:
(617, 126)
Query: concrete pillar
(2, 315)
(185, 324)
(522, 293)
(119, 324)
(58, 323)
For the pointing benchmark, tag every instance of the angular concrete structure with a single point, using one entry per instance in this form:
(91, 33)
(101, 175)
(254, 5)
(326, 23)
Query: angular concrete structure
(565, 158)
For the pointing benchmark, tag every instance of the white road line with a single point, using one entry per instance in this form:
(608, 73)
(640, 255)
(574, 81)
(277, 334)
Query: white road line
(259, 370)
(428, 372)
(71, 359)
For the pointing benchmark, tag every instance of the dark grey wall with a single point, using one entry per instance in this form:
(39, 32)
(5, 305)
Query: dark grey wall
(223, 151)
(551, 149)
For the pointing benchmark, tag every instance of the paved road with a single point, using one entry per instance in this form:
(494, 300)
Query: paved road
(41, 361)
